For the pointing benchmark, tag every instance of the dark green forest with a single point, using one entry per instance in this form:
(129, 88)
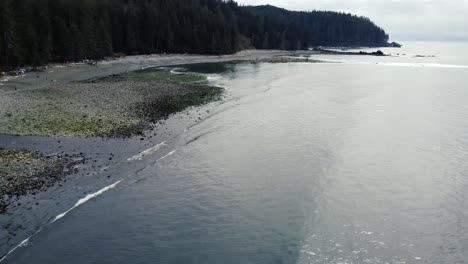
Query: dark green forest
(35, 32)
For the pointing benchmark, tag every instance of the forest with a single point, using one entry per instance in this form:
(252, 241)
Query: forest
(36, 32)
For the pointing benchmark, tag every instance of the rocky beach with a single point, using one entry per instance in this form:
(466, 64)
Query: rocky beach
(62, 128)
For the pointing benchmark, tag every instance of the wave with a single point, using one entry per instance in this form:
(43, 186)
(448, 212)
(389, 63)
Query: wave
(87, 198)
(147, 67)
(167, 155)
(147, 152)
(58, 217)
(178, 71)
(22, 244)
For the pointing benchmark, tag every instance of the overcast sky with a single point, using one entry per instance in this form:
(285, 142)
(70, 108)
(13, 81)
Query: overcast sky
(402, 19)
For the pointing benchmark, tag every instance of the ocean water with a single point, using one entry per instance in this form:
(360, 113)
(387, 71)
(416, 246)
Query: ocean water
(358, 159)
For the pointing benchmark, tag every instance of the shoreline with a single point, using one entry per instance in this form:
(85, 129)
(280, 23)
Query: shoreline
(102, 154)
(99, 155)
(117, 106)
(71, 72)
(113, 99)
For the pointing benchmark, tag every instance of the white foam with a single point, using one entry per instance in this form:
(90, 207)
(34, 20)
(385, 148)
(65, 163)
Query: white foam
(214, 78)
(147, 152)
(8, 78)
(93, 195)
(309, 252)
(178, 71)
(147, 67)
(22, 244)
(80, 202)
(87, 198)
(167, 155)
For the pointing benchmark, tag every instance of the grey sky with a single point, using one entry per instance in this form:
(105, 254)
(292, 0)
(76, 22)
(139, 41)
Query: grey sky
(402, 19)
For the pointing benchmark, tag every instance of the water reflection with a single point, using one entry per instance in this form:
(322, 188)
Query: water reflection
(300, 163)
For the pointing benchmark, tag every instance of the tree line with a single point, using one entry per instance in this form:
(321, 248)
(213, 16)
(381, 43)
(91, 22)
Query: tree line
(35, 32)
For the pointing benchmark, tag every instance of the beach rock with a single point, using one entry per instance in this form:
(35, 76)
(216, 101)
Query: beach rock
(23, 172)
(378, 53)
(394, 45)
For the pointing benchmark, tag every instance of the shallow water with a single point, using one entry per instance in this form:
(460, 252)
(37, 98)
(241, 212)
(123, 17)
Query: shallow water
(356, 162)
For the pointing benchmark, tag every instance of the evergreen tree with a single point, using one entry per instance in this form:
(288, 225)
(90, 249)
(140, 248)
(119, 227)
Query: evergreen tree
(36, 32)
(6, 36)
(63, 43)
(43, 32)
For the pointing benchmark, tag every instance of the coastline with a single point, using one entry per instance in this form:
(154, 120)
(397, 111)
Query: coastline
(83, 161)
(92, 90)
(71, 72)
(113, 98)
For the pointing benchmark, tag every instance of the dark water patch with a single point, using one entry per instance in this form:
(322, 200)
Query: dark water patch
(231, 66)
(209, 68)
(159, 74)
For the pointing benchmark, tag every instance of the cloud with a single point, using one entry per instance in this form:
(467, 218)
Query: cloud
(402, 19)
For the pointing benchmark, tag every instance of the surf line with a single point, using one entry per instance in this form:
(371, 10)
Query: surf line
(91, 196)
(80, 202)
(147, 152)
(86, 199)
(22, 244)
(168, 154)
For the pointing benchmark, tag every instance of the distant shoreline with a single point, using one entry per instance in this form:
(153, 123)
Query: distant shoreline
(54, 73)
(67, 72)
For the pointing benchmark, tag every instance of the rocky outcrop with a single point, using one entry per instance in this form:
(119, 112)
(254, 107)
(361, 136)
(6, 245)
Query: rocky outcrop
(335, 52)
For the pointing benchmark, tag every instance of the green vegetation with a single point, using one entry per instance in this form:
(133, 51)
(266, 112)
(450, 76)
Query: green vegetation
(114, 106)
(51, 118)
(35, 32)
